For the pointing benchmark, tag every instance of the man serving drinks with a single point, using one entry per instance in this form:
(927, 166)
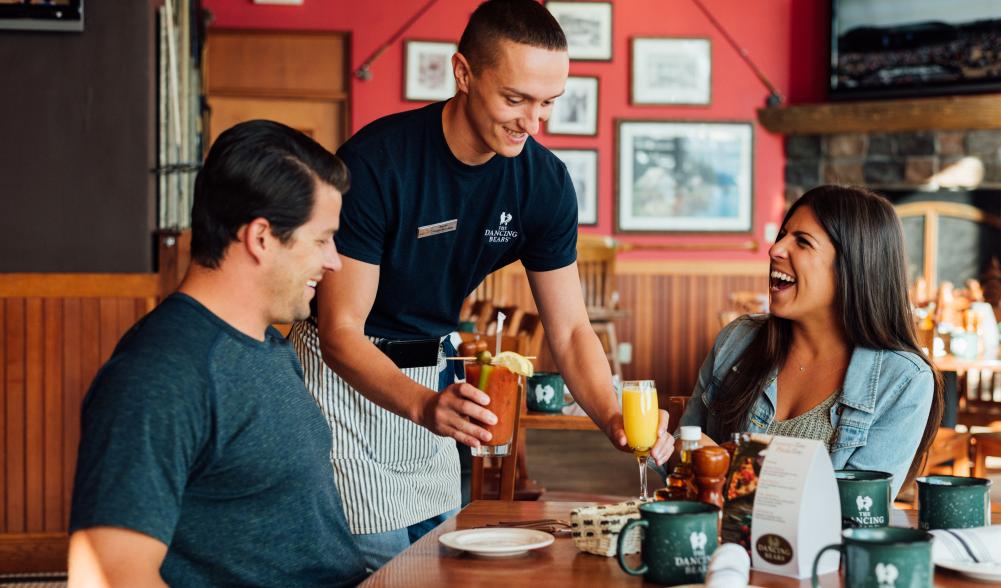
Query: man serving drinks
(441, 196)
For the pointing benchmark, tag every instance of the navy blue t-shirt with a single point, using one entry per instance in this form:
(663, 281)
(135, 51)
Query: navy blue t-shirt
(404, 177)
(206, 439)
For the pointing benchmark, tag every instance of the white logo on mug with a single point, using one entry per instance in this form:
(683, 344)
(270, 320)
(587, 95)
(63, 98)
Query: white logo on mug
(698, 541)
(886, 575)
(544, 394)
(863, 503)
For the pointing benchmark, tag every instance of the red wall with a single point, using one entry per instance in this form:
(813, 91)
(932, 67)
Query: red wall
(786, 38)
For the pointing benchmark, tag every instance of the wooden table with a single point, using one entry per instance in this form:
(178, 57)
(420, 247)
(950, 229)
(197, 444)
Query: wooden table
(428, 563)
(959, 409)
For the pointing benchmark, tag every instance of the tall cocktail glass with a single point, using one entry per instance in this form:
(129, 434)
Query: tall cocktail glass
(640, 416)
(501, 385)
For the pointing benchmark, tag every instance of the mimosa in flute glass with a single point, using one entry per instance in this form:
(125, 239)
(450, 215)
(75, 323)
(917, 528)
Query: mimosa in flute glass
(640, 416)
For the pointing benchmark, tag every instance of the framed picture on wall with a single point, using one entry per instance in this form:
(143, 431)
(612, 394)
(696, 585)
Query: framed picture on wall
(588, 27)
(576, 111)
(582, 165)
(674, 176)
(671, 71)
(428, 70)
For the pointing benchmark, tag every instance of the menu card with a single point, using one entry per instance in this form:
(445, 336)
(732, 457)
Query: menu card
(796, 508)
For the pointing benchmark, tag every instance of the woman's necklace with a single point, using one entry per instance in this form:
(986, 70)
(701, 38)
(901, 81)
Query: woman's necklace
(802, 368)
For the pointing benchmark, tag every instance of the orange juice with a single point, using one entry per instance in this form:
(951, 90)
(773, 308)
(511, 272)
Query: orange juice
(640, 417)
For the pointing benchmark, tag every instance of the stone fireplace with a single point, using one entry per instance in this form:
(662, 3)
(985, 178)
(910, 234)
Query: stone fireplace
(929, 161)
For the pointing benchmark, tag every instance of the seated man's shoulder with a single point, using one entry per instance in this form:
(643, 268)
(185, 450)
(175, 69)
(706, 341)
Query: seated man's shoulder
(169, 348)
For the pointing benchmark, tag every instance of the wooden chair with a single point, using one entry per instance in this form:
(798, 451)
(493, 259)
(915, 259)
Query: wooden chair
(980, 396)
(479, 306)
(985, 445)
(596, 266)
(675, 407)
(949, 453)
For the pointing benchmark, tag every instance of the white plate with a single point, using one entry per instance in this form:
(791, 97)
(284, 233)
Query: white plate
(496, 542)
(987, 571)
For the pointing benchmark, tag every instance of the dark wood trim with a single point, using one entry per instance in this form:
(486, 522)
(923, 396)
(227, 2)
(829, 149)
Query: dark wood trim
(79, 285)
(33, 552)
(953, 112)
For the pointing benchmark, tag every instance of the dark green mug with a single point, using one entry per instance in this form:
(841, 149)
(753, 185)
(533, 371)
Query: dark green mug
(878, 558)
(865, 498)
(545, 392)
(678, 539)
(953, 502)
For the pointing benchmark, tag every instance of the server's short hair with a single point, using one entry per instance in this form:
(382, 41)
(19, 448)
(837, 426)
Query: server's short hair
(522, 21)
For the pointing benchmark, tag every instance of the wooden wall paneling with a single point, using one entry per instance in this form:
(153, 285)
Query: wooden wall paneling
(54, 423)
(72, 383)
(126, 318)
(89, 350)
(3, 415)
(15, 423)
(107, 326)
(34, 408)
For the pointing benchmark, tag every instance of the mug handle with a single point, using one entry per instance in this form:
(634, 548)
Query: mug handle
(621, 556)
(816, 561)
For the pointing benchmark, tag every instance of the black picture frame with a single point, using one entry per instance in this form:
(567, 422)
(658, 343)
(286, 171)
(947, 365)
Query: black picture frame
(576, 111)
(582, 165)
(684, 176)
(673, 71)
(64, 16)
(588, 27)
(427, 70)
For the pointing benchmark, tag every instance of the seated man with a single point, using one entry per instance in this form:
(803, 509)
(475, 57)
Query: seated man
(203, 459)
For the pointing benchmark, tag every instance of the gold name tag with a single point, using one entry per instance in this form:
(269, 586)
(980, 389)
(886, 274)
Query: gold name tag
(437, 228)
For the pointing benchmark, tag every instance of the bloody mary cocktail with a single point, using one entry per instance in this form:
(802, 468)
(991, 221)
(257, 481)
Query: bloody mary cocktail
(501, 385)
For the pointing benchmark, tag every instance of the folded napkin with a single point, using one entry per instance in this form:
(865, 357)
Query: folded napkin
(979, 545)
(729, 567)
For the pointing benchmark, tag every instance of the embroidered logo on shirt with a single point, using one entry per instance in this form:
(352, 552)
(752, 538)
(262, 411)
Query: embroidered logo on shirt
(502, 234)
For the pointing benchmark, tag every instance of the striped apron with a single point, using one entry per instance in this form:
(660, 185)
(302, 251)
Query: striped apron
(390, 471)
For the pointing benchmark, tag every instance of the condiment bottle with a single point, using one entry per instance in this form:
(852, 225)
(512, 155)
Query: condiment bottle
(710, 464)
(731, 445)
(681, 480)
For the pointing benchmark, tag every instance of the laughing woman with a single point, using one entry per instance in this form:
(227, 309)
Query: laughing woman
(836, 360)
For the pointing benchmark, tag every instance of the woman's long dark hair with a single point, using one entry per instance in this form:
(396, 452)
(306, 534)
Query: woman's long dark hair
(870, 295)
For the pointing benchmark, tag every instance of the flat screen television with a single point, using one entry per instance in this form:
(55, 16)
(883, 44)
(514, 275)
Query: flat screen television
(886, 48)
(42, 15)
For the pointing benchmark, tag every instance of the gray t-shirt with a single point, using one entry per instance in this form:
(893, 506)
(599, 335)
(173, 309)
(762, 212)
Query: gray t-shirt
(207, 440)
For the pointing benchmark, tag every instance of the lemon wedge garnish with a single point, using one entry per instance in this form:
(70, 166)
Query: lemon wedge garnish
(515, 362)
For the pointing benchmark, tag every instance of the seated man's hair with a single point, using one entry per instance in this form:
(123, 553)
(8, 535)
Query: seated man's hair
(258, 169)
(522, 21)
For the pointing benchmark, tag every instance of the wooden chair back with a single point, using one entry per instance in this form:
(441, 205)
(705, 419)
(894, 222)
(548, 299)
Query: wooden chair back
(949, 453)
(596, 266)
(675, 407)
(980, 396)
(985, 445)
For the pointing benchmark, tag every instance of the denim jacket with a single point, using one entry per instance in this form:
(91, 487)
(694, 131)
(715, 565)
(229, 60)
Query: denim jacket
(878, 420)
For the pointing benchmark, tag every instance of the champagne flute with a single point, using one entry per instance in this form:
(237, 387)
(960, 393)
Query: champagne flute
(639, 417)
